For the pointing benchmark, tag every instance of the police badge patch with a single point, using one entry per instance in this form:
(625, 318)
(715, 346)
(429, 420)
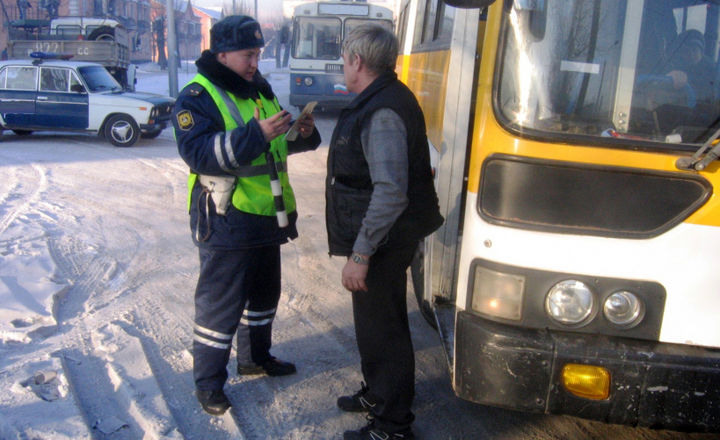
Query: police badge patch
(185, 120)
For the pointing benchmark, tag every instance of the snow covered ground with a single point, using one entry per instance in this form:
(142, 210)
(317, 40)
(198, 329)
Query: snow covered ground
(97, 272)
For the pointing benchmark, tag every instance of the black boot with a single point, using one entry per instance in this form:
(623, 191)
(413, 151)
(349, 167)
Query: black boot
(214, 402)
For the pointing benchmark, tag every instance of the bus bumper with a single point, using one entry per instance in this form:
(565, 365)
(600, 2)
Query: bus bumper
(652, 384)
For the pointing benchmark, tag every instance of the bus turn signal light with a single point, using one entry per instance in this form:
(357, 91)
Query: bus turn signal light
(588, 381)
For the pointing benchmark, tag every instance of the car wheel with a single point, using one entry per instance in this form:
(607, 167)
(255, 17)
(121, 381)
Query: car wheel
(22, 132)
(151, 134)
(121, 131)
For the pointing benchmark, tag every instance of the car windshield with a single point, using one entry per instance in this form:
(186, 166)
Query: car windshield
(638, 70)
(98, 79)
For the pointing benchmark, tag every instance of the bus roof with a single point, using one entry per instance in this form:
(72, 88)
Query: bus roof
(358, 9)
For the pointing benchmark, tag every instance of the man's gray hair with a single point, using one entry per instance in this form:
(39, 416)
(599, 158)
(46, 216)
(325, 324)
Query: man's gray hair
(376, 46)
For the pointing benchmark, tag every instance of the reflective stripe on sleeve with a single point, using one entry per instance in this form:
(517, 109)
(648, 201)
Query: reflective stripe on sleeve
(229, 150)
(217, 143)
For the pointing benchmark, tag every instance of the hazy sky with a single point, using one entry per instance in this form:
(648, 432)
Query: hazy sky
(268, 8)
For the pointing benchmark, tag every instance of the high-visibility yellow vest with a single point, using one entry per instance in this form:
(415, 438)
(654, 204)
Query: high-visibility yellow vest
(252, 192)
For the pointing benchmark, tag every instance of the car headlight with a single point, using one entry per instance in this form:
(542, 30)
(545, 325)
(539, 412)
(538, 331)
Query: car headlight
(624, 308)
(497, 294)
(569, 302)
(308, 81)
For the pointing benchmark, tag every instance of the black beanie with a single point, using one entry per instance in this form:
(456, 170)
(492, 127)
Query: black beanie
(235, 32)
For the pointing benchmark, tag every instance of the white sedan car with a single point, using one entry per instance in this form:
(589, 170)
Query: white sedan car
(58, 95)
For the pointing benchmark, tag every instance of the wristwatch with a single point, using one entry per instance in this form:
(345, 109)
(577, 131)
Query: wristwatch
(359, 259)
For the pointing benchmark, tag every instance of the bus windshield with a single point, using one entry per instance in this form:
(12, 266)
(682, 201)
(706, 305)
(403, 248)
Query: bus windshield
(638, 70)
(318, 38)
(352, 23)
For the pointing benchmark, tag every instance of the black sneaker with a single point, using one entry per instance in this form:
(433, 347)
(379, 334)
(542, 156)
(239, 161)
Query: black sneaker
(370, 432)
(358, 402)
(271, 367)
(214, 402)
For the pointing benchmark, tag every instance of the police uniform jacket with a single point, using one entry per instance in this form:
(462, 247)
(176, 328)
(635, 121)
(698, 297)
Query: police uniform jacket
(197, 120)
(349, 186)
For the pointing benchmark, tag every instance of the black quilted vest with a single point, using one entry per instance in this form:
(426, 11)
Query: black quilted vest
(348, 186)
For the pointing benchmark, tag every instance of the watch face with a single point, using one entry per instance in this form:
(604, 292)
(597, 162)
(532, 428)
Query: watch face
(358, 259)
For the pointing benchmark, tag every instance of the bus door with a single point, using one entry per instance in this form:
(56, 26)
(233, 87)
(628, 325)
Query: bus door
(441, 49)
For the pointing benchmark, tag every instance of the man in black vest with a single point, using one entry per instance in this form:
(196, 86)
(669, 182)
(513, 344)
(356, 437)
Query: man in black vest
(380, 203)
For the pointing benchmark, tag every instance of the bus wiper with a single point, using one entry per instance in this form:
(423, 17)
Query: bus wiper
(697, 162)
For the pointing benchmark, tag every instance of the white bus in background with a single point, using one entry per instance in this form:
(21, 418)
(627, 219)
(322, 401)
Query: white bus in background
(316, 65)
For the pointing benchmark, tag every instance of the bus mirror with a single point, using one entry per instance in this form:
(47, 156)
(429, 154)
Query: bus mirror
(469, 4)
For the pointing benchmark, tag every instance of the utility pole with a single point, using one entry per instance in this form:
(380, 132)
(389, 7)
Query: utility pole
(172, 50)
(256, 12)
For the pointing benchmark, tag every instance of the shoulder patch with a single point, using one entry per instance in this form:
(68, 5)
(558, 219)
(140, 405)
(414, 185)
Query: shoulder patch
(185, 120)
(194, 89)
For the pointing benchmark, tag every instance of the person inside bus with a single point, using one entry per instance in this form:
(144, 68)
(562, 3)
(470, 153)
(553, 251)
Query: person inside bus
(691, 67)
(381, 202)
(684, 95)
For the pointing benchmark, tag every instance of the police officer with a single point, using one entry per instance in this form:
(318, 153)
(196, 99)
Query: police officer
(229, 129)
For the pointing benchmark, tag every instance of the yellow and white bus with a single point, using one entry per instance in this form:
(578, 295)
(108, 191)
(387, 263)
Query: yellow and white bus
(574, 143)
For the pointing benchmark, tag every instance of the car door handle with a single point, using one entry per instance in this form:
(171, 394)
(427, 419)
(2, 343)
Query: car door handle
(42, 98)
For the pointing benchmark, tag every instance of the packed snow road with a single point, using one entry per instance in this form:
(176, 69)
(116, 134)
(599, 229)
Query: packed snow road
(97, 272)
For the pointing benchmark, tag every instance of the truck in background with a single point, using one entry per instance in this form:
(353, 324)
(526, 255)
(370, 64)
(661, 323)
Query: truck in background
(100, 40)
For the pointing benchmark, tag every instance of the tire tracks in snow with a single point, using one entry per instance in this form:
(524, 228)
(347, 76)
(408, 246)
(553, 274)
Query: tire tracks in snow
(168, 356)
(25, 190)
(148, 375)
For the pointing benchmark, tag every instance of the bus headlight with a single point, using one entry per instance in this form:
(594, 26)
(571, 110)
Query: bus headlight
(308, 81)
(624, 308)
(569, 302)
(497, 294)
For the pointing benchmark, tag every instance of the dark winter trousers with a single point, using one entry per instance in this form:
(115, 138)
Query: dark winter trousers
(383, 337)
(239, 287)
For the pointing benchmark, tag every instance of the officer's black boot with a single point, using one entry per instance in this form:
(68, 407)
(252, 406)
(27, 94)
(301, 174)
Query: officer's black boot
(214, 402)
